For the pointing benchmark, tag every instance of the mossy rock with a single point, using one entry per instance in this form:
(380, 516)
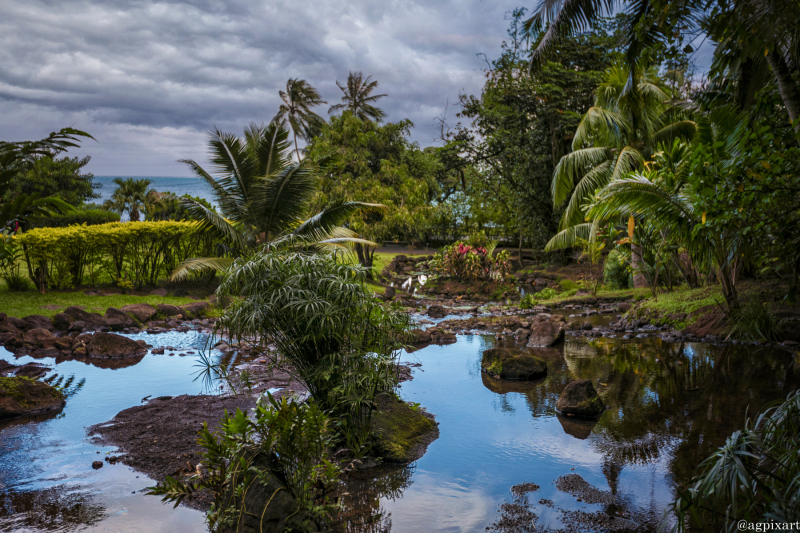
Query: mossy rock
(403, 433)
(579, 398)
(510, 363)
(25, 396)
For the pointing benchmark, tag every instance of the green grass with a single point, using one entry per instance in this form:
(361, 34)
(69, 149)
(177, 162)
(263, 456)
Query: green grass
(683, 300)
(22, 304)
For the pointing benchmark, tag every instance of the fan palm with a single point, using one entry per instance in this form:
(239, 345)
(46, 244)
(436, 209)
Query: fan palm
(298, 100)
(130, 195)
(614, 138)
(263, 196)
(358, 97)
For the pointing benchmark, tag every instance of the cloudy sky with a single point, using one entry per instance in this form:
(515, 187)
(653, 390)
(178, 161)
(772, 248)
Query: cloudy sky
(147, 79)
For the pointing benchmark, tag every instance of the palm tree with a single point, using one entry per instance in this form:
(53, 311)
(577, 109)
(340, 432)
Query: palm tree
(130, 195)
(614, 138)
(298, 100)
(358, 97)
(263, 196)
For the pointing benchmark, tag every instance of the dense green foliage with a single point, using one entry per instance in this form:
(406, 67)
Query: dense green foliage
(130, 195)
(167, 206)
(90, 217)
(139, 254)
(471, 263)
(49, 176)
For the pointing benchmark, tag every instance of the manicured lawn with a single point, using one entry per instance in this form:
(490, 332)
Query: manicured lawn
(21, 304)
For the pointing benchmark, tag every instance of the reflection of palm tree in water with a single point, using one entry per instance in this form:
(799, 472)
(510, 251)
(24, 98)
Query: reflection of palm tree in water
(363, 511)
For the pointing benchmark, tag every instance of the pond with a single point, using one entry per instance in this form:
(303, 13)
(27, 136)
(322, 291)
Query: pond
(669, 404)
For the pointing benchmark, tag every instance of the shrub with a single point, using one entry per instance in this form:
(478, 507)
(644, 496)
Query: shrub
(137, 252)
(528, 301)
(616, 273)
(90, 217)
(754, 322)
(547, 293)
(466, 262)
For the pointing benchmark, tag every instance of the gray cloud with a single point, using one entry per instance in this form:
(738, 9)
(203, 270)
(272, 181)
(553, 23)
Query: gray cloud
(148, 78)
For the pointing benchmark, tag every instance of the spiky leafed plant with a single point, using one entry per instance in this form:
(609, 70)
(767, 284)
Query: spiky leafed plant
(614, 138)
(130, 195)
(358, 97)
(263, 196)
(298, 100)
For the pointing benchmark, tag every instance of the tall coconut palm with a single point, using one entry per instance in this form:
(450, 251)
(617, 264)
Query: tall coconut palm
(614, 138)
(298, 100)
(130, 195)
(358, 97)
(263, 196)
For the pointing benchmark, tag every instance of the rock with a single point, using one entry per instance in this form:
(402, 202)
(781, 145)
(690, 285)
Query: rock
(38, 322)
(158, 292)
(510, 363)
(97, 464)
(169, 310)
(586, 326)
(38, 336)
(402, 433)
(389, 293)
(78, 325)
(580, 399)
(24, 396)
(436, 311)
(180, 292)
(113, 346)
(624, 307)
(15, 324)
(419, 336)
(92, 320)
(545, 334)
(195, 308)
(118, 320)
(31, 370)
(445, 338)
(62, 321)
(141, 312)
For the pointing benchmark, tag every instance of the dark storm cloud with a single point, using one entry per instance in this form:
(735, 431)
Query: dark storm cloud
(148, 78)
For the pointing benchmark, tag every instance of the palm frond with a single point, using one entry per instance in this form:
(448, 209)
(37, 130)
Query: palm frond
(568, 237)
(198, 264)
(211, 221)
(572, 167)
(601, 127)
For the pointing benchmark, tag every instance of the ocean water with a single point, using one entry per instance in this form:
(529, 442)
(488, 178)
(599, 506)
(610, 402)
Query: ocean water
(179, 186)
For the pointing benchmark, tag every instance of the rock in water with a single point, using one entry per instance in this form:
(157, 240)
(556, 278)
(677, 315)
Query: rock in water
(118, 320)
(402, 433)
(510, 363)
(545, 334)
(24, 396)
(113, 346)
(141, 312)
(38, 322)
(436, 311)
(580, 399)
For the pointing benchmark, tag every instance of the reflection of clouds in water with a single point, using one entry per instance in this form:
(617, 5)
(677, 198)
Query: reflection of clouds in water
(437, 504)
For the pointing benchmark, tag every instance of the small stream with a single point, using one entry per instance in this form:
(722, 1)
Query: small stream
(670, 405)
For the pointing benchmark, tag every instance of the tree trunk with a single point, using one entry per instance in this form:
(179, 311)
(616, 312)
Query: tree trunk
(639, 279)
(790, 93)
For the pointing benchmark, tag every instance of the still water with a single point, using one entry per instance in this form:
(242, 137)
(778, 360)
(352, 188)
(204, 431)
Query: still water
(670, 405)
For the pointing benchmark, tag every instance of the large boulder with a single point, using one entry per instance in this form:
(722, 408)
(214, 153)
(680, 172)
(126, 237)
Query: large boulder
(580, 399)
(118, 320)
(510, 363)
(402, 433)
(141, 312)
(545, 334)
(91, 320)
(170, 310)
(24, 396)
(195, 309)
(113, 346)
(38, 322)
(13, 324)
(62, 321)
(38, 336)
(158, 292)
(436, 311)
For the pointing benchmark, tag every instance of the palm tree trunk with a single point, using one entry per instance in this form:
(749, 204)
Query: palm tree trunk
(296, 148)
(639, 279)
(790, 93)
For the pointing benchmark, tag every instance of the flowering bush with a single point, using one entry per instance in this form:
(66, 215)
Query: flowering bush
(465, 262)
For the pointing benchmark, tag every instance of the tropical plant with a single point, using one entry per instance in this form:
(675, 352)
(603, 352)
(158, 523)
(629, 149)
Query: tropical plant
(754, 477)
(298, 100)
(614, 138)
(17, 157)
(130, 195)
(50, 176)
(466, 262)
(262, 196)
(329, 329)
(358, 97)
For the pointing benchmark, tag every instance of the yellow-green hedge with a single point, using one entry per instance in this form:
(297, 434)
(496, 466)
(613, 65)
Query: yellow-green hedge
(135, 252)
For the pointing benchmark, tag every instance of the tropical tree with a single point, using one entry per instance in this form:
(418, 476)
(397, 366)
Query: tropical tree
(298, 100)
(263, 197)
(614, 138)
(63, 177)
(358, 97)
(130, 195)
